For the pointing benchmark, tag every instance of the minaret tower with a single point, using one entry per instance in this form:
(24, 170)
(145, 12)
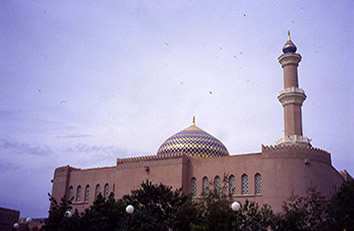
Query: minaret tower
(291, 97)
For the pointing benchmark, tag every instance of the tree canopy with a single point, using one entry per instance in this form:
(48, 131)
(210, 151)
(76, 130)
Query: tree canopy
(159, 207)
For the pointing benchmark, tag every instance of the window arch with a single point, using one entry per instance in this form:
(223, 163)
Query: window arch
(106, 191)
(78, 193)
(217, 184)
(194, 186)
(71, 193)
(97, 191)
(232, 185)
(205, 185)
(87, 193)
(244, 184)
(258, 183)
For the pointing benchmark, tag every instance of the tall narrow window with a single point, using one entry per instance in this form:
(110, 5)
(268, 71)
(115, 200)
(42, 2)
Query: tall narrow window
(217, 184)
(97, 191)
(106, 191)
(78, 193)
(232, 185)
(244, 184)
(71, 193)
(205, 185)
(258, 183)
(87, 193)
(194, 186)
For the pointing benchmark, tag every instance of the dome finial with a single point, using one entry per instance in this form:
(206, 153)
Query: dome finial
(193, 120)
(289, 46)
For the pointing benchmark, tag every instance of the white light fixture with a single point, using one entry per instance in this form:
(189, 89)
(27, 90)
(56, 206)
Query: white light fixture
(235, 206)
(129, 209)
(28, 220)
(68, 214)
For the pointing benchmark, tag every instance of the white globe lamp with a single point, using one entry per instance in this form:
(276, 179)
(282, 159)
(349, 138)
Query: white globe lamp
(68, 214)
(28, 220)
(235, 206)
(16, 225)
(129, 209)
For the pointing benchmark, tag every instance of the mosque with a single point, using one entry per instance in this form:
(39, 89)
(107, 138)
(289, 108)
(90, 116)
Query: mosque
(192, 158)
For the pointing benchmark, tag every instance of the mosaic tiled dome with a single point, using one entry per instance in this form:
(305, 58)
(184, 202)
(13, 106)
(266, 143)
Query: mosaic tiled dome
(193, 141)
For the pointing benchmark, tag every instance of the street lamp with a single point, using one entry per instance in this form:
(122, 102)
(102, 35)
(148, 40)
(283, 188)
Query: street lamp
(129, 209)
(68, 213)
(28, 220)
(16, 226)
(235, 206)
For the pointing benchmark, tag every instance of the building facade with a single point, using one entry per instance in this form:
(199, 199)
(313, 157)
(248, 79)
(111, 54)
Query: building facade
(192, 158)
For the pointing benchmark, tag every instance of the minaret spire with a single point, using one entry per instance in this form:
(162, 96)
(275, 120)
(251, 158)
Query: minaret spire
(291, 97)
(193, 120)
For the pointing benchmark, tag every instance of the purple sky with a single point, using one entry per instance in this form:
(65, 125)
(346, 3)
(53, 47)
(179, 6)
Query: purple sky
(85, 82)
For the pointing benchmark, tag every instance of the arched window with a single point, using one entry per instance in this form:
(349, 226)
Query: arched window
(97, 191)
(205, 185)
(194, 186)
(71, 193)
(87, 193)
(258, 183)
(244, 184)
(232, 185)
(106, 191)
(78, 193)
(217, 184)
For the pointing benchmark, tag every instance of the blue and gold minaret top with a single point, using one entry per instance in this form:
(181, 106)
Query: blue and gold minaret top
(193, 141)
(289, 46)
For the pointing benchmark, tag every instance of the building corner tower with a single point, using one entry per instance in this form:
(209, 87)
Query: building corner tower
(291, 97)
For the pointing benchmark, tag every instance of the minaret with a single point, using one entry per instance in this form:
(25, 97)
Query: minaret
(291, 97)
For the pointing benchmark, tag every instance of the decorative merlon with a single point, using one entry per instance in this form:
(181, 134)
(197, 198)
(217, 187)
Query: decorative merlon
(294, 140)
(292, 95)
(282, 148)
(151, 157)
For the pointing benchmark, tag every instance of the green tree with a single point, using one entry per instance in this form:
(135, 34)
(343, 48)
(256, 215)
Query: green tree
(104, 215)
(342, 208)
(58, 220)
(307, 213)
(156, 207)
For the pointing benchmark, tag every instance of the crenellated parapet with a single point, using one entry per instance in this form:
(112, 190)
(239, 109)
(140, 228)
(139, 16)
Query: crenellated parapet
(307, 153)
(150, 158)
(272, 148)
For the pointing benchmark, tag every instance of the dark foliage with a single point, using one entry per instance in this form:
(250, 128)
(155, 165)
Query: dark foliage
(342, 208)
(158, 207)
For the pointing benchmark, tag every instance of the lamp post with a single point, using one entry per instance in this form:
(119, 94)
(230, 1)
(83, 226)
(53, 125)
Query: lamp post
(129, 209)
(16, 226)
(68, 213)
(235, 206)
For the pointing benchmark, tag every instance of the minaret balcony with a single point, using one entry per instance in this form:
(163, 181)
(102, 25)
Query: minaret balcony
(294, 140)
(291, 95)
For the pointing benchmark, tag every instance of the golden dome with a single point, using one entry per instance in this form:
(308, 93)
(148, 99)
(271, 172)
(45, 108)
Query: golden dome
(193, 141)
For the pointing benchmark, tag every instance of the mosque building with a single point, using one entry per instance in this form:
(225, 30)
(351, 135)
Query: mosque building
(192, 158)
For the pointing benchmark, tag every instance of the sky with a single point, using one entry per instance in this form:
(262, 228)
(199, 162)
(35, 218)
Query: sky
(85, 82)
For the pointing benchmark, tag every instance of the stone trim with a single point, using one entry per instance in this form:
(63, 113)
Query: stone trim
(294, 140)
(289, 59)
(282, 148)
(292, 95)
